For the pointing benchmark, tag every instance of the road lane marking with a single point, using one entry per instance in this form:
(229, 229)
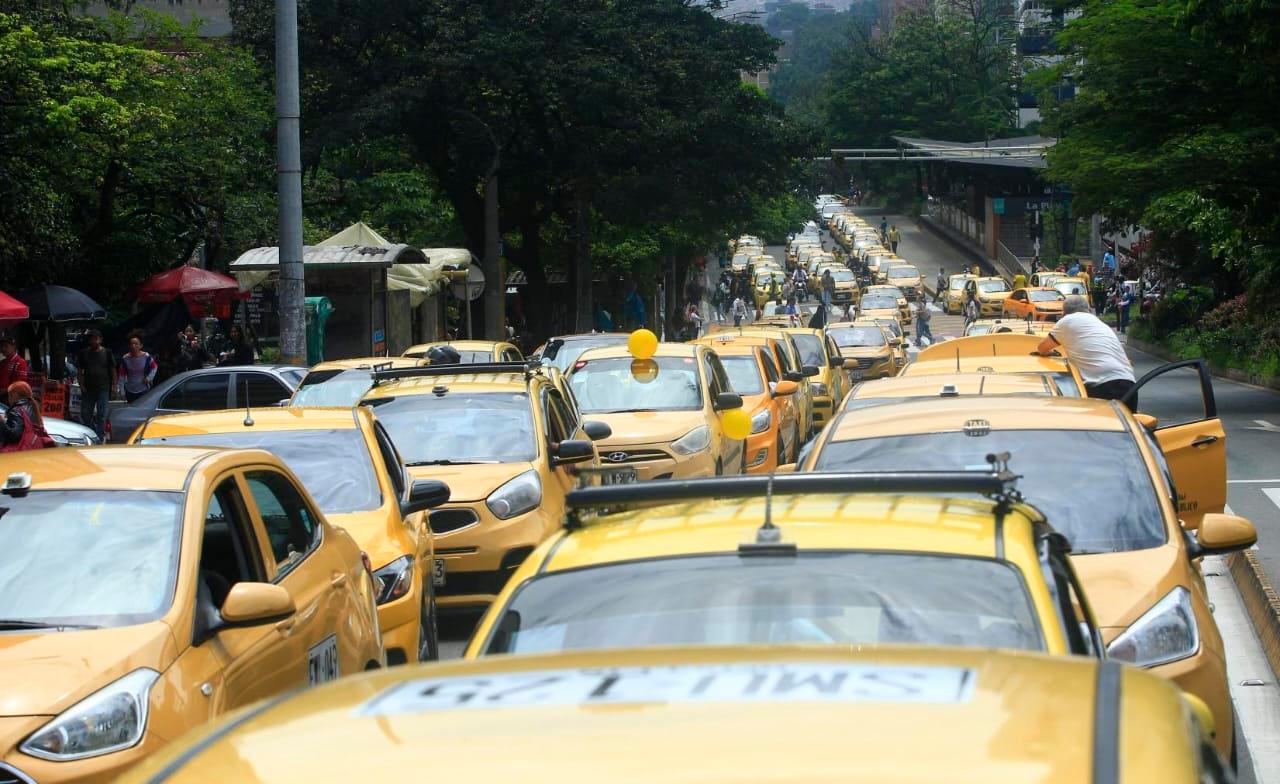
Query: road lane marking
(1253, 481)
(1263, 425)
(1273, 493)
(1257, 707)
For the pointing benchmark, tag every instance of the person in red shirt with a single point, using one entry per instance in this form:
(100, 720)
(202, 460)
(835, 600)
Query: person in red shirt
(12, 366)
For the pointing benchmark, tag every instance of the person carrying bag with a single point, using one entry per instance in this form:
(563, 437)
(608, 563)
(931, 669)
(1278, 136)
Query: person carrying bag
(23, 427)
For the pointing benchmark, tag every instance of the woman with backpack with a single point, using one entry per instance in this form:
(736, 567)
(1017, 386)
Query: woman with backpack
(23, 427)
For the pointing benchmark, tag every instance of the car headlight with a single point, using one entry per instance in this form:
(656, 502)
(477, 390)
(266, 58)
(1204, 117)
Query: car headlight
(516, 497)
(760, 422)
(818, 388)
(692, 442)
(111, 719)
(395, 579)
(1165, 633)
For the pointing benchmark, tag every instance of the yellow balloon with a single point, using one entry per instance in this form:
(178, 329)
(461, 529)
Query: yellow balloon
(736, 423)
(644, 370)
(642, 344)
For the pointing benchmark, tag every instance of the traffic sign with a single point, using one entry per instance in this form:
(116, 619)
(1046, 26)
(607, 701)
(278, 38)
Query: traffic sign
(997, 206)
(473, 288)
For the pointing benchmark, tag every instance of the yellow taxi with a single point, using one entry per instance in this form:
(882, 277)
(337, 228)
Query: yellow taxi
(562, 351)
(1138, 563)
(472, 351)
(752, 715)
(507, 441)
(998, 353)
(664, 412)
(846, 293)
(867, 349)
(1033, 304)
(348, 464)
(907, 278)
(766, 397)
(342, 382)
(1069, 286)
(904, 307)
(904, 387)
(829, 387)
(879, 304)
(894, 327)
(786, 353)
(954, 297)
(147, 590)
(1046, 278)
(990, 292)
(767, 286)
(999, 326)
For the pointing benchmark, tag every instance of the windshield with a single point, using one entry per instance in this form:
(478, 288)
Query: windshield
(810, 348)
(465, 357)
(336, 387)
(857, 337)
(492, 427)
(957, 283)
(904, 272)
(89, 557)
(842, 598)
(603, 386)
(744, 375)
(991, 286)
(879, 303)
(1107, 463)
(843, 275)
(334, 465)
(1044, 296)
(562, 353)
(1069, 288)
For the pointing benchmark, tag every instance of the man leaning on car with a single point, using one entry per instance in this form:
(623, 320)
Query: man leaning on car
(1094, 349)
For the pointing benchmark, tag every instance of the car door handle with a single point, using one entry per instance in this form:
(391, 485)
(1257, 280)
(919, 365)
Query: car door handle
(1205, 441)
(338, 580)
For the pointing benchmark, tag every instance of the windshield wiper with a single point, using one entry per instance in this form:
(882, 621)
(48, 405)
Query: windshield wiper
(443, 462)
(9, 624)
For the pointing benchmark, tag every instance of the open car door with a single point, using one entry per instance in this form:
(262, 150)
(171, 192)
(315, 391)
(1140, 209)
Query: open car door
(1190, 433)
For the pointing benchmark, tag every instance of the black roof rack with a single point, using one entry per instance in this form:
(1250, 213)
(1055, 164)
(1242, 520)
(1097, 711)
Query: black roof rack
(461, 369)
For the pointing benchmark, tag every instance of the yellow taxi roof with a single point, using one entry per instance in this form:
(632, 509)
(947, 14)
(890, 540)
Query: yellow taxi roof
(365, 362)
(992, 365)
(989, 346)
(737, 348)
(462, 345)
(475, 383)
(817, 521)
(274, 418)
(664, 350)
(963, 383)
(694, 715)
(951, 414)
(723, 340)
(107, 467)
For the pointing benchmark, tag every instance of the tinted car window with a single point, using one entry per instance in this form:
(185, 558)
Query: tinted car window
(261, 389)
(290, 526)
(204, 392)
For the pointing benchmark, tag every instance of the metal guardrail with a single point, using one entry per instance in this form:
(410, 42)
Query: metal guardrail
(1009, 257)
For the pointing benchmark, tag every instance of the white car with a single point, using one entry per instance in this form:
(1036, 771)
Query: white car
(63, 431)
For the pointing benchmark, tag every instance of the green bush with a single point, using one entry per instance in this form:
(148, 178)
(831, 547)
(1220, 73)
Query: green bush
(1179, 309)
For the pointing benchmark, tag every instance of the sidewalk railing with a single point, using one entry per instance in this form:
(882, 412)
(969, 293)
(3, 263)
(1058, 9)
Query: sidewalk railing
(1010, 259)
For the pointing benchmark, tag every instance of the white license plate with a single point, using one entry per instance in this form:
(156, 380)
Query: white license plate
(624, 476)
(437, 572)
(322, 661)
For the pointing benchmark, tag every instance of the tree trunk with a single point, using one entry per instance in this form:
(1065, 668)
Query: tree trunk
(582, 267)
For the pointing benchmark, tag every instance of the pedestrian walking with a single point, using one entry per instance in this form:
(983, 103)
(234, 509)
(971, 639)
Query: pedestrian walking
(1074, 269)
(725, 300)
(12, 366)
(1094, 350)
(940, 292)
(136, 371)
(191, 354)
(828, 288)
(894, 237)
(239, 349)
(693, 320)
(1123, 301)
(923, 317)
(884, 229)
(23, 426)
(633, 310)
(970, 312)
(96, 367)
(739, 311)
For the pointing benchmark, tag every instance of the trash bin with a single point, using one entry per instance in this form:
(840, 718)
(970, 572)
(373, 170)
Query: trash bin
(318, 310)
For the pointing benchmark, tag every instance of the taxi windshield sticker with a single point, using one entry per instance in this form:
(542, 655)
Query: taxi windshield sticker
(771, 682)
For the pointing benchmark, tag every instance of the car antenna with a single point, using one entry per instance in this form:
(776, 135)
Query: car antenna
(248, 413)
(957, 359)
(768, 536)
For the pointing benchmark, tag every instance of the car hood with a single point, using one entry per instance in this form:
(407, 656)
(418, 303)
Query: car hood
(993, 296)
(1122, 586)
(62, 427)
(471, 482)
(864, 352)
(44, 673)
(379, 532)
(647, 427)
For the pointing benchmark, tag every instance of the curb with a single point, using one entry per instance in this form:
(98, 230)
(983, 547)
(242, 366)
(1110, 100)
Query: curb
(1232, 374)
(1260, 602)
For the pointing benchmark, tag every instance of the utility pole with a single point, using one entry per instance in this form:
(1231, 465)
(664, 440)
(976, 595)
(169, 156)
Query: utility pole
(293, 328)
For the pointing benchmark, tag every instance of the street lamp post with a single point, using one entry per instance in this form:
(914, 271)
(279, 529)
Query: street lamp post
(293, 337)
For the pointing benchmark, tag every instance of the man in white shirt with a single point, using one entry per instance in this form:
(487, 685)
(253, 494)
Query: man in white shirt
(1095, 351)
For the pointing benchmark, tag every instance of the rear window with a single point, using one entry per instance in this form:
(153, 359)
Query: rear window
(1121, 511)
(336, 387)
(990, 286)
(821, 597)
(561, 353)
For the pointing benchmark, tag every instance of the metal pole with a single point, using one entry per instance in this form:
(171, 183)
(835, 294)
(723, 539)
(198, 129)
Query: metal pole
(293, 330)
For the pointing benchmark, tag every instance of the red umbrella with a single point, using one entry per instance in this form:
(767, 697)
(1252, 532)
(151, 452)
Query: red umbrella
(187, 282)
(11, 310)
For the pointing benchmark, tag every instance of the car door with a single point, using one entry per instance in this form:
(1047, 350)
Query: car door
(323, 639)
(1180, 396)
(718, 381)
(230, 666)
(788, 419)
(258, 389)
(558, 425)
(838, 377)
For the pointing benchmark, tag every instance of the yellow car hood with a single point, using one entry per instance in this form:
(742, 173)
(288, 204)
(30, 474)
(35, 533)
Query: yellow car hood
(647, 427)
(46, 672)
(864, 352)
(471, 482)
(1122, 586)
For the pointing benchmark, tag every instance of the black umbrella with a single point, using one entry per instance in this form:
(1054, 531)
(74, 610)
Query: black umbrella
(60, 303)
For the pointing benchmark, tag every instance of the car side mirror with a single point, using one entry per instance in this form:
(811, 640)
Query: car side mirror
(726, 401)
(424, 494)
(1147, 421)
(836, 361)
(596, 430)
(250, 604)
(810, 371)
(783, 388)
(573, 450)
(1223, 533)
(792, 375)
